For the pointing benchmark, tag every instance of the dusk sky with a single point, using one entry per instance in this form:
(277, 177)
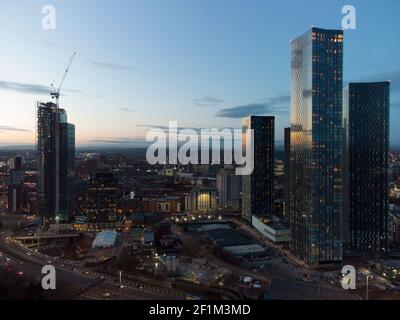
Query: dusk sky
(202, 63)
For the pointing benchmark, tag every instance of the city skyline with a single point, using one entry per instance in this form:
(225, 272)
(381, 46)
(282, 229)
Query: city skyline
(221, 76)
(123, 190)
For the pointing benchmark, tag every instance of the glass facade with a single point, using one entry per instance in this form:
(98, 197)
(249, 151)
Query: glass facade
(367, 108)
(55, 153)
(67, 171)
(316, 197)
(286, 167)
(258, 188)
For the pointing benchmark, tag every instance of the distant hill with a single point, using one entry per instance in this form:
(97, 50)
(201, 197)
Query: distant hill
(28, 147)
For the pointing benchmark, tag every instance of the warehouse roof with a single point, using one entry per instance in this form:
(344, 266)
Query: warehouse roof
(105, 239)
(244, 250)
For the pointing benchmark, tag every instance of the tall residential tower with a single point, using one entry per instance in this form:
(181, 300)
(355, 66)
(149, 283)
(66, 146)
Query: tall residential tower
(316, 204)
(55, 152)
(258, 188)
(286, 166)
(367, 107)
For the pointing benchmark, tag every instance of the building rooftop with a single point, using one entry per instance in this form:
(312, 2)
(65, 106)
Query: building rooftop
(105, 239)
(228, 237)
(244, 250)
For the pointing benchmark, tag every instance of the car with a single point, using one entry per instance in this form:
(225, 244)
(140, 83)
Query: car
(106, 294)
(8, 259)
(74, 269)
(21, 273)
(28, 254)
(86, 272)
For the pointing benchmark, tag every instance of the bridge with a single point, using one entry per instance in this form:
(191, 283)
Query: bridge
(45, 236)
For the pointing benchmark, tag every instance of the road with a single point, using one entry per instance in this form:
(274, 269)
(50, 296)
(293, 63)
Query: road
(71, 283)
(283, 276)
(74, 280)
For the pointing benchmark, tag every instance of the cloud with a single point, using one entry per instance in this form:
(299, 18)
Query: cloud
(279, 104)
(122, 140)
(73, 91)
(393, 76)
(8, 128)
(24, 87)
(31, 88)
(207, 101)
(110, 66)
(157, 127)
(198, 130)
(94, 96)
(127, 110)
(22, 34)
(395, 105)
(116, 67)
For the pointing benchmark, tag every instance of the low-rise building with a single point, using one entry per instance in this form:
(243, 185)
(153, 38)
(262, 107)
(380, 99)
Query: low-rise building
(105, 239)
(276, 231)
(201, 200)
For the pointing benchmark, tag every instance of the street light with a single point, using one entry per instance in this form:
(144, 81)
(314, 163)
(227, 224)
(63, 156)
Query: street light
(120, 284)
(367, 278)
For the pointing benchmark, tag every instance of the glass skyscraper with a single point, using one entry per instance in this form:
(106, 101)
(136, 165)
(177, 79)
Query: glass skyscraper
(55, 153)
(286, 166)
(367, 107)
(316, 200)
(258, 188)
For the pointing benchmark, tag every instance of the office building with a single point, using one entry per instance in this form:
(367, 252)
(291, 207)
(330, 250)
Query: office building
(201, 200)
(16, 195)
(102, 197)
(229, 186)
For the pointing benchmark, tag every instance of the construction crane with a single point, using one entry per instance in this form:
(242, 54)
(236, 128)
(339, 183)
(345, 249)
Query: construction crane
(55, 94)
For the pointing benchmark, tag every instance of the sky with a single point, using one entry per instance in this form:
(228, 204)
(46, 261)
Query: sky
(204, 64)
